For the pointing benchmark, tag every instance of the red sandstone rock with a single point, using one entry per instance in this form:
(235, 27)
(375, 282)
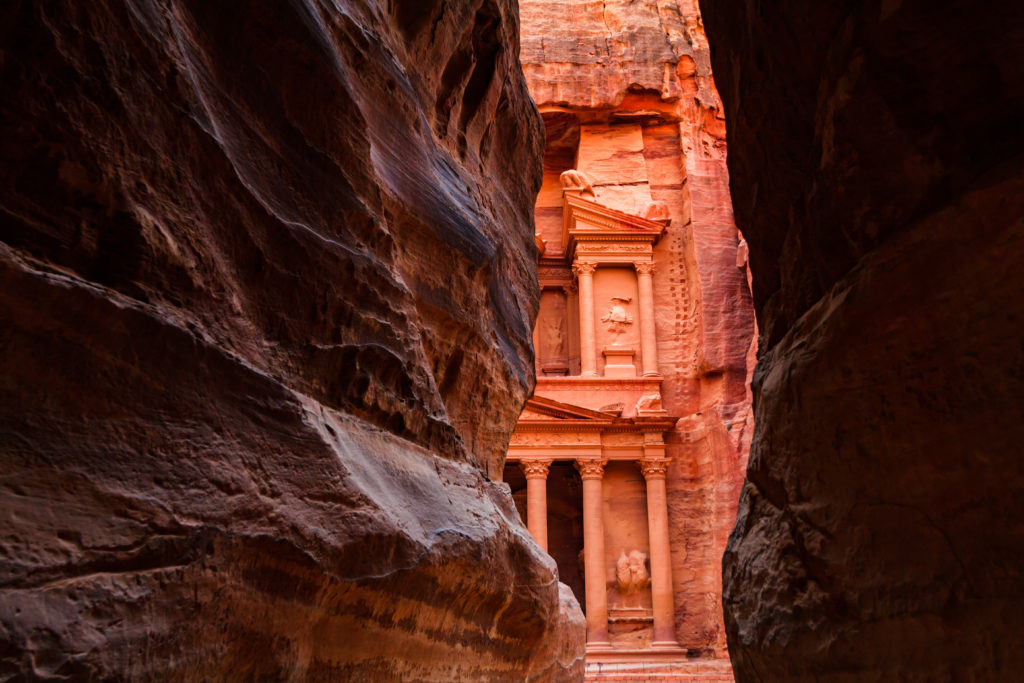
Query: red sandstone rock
(878, 175)
(627, 96)
(267, 287)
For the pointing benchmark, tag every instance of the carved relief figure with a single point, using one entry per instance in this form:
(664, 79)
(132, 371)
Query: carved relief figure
(553, 337)
(618, 318)
(631, 572)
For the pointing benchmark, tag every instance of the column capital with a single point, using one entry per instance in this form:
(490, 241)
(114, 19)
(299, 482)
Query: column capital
(583, 268)
(569, 289)
(535, 469)
(654, 468)
(591, 469)
(644, 268)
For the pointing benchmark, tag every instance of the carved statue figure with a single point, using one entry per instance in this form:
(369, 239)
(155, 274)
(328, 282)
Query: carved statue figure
(617, 317)
(631, 572)
(657, 211)
(577, 180)
(649, 402)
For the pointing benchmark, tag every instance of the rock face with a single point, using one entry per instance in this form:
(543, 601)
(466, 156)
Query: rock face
(267, 290)
(627, 96)
(879, 177)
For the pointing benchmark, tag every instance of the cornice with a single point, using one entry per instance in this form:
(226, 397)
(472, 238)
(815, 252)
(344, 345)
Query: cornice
(629, 424)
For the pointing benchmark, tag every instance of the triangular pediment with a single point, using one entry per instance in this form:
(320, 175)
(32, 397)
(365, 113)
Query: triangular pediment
(588, 220)
(540, 408)
(528, 414)
(596, 216)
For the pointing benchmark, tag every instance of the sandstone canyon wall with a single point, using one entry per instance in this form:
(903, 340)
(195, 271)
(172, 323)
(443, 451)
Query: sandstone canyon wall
(267, 289)
(627, 95)
(877, 164)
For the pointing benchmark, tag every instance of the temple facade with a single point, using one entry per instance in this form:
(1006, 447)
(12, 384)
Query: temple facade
(626, 462)
(596, 426)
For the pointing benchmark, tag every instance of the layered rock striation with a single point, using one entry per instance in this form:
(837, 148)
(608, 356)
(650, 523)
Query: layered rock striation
(878, 173)
(267, 290)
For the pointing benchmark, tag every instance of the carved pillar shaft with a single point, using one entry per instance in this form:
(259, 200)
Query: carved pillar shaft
(661, 558)
(588, 344)
(536, 472)
(536, 347)
(595, 572)
(648, 337)
(572, 316)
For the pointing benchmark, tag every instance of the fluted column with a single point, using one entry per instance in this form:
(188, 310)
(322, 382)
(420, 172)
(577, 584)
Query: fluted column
(595, 572)
(584, 273)
(648, 337)
(654, 470)
(536, 472)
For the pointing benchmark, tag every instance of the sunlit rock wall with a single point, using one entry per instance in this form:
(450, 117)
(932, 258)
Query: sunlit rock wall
(877, 160)
(628, 97)
(267, 289)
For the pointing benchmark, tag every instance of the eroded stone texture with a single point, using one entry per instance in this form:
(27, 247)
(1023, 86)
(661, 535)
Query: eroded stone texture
(628, 98)
(878, 175)
(267, 287)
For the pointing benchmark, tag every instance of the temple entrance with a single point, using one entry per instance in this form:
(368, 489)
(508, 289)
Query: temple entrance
(565, 526)
(564, 520)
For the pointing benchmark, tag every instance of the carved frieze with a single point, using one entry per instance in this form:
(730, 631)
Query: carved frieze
(553, 438)
(616, 247)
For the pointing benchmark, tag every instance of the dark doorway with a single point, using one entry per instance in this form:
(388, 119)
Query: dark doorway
(565, 526)
(565, 520)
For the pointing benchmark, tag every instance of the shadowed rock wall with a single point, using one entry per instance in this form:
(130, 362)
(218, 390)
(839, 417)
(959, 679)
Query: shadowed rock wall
(877, 165)
(267, 288)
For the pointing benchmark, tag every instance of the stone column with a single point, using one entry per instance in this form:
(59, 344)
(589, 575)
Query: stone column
(595, 573)
(572, 315)
(536, 346)
(654, 470)
(588, 337)
(648, 337)
(536, 472)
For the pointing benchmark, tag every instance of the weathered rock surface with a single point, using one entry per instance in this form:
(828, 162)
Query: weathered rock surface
(267, 288)
(877, 162)
(627, 95)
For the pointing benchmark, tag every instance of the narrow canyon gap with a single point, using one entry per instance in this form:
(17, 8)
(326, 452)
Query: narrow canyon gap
(876, 156)
(268, 281)
(628, 460)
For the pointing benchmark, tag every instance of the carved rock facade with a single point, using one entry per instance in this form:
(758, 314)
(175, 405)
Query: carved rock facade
(645, 332)
(267, 285)
(879, 177)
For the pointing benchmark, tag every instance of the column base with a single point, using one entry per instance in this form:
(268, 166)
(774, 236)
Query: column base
(588, 373)
(666, 645)
(654, 374)
(600, 647)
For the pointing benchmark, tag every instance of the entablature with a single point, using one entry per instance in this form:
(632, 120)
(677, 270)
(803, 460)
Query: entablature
(607, 234)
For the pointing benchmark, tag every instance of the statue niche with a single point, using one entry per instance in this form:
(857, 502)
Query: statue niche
(552, 334)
